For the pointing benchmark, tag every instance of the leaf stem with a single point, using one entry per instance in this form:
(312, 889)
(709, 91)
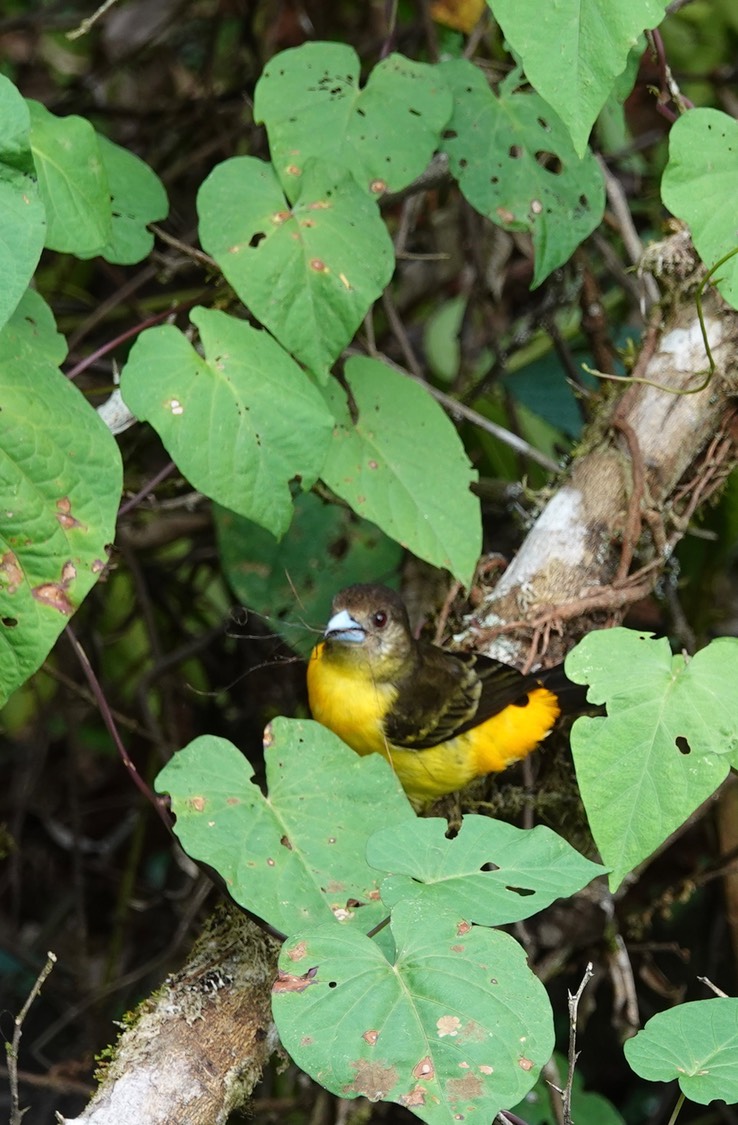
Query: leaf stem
(677, 1108)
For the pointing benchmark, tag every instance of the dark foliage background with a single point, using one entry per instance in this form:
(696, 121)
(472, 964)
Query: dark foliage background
(88, 870)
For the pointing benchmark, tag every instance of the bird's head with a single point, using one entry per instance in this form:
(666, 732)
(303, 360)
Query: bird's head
(369, 624)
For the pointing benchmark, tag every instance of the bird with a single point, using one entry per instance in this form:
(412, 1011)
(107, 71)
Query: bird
(440, 718)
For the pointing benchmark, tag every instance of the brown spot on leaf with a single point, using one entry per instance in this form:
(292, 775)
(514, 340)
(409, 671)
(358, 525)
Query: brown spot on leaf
(505, 216)
(54, 595)
(345, 282)
(463, 1089)
(463, 928)
(373, 464)
(268, 736)
(11, 574)
(68, 574)
(64, 514)
(298, 951)
(378, 186)
(487, 1069)
(233, 801)
(318, 265)
(293, 170)
(281, 216)
(98, 566)
(370, 1037)
(373, 1080)
(415, 1097)
(525, 1064)
(319, 205)
(291, 982)
(285, 842)
(197, 803)
(457, 948)
(473, 1031)
(448, 1025)
(424, 1069)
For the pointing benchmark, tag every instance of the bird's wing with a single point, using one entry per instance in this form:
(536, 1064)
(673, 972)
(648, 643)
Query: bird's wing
(447, 693)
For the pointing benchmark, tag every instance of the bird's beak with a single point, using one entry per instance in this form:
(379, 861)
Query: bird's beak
(342, 627)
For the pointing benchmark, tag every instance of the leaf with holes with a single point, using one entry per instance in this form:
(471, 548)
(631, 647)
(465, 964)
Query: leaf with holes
(223, 418)
(414, 484)
(573, 51)
(698, 186)
(491, 872)
(22, 215)
(295, 857)
(60, 482)
(309, 99)
(696, 1044)
(309, 271)
(668, 740)
(515, 163)
(455, 1025)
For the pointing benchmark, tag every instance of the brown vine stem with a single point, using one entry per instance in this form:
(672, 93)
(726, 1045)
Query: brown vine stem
(110, 723)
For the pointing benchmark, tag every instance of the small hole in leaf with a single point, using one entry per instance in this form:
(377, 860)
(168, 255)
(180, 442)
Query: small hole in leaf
(490, 866)
(524, 892)
(550, 162)
(257, 238)
(9, 622)
(333, 984)
(449, 134)
(682, 745)
(515, 152)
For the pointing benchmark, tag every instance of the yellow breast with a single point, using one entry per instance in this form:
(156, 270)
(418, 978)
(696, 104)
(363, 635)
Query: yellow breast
(351, 705)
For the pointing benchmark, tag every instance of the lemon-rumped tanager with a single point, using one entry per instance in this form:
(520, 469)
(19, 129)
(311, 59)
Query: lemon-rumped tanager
(440, 718)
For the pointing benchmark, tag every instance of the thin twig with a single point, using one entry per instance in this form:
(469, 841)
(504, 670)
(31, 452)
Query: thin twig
(86, 24)
(16, 1113)
(147, 489)
(573, 1053)
(714, 987)
(109, 721)
(184, 247)
(618, 201)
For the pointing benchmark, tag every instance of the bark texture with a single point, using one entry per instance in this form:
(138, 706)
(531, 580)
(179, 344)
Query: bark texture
(198, 1046)
(653, 457)
(600, 543)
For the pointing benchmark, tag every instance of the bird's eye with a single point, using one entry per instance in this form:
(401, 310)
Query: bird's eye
(379, 619)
